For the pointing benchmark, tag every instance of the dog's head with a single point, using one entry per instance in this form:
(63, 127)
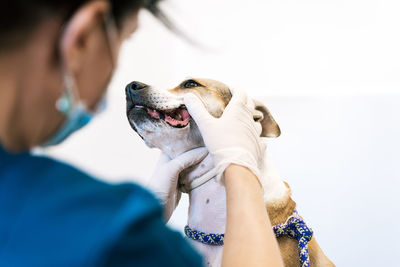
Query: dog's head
(161, 119)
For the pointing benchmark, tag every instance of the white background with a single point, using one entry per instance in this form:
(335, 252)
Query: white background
(329, 71)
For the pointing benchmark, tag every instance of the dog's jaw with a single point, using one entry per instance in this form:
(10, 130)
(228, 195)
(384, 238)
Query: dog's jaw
(171, 141)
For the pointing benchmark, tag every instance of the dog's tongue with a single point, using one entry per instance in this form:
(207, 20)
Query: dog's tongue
(179, 117)
(182, 121)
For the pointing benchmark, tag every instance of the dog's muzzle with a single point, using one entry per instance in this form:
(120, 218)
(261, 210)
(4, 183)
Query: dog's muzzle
(139, 99)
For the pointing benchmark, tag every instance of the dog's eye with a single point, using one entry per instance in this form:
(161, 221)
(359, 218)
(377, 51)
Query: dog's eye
(190, 84)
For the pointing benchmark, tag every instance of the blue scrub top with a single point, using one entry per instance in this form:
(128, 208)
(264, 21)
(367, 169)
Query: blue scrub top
(52, 214)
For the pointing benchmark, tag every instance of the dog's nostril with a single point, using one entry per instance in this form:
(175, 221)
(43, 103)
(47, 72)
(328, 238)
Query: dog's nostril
(135, 86)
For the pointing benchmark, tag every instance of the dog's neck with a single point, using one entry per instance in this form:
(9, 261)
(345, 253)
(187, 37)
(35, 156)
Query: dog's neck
(207, 209)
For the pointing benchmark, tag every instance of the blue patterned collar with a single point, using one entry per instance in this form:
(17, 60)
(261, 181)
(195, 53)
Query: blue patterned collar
(294, 227)
(208, 239)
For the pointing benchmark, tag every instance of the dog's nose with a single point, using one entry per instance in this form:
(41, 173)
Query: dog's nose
(134, 89)
(136, 86)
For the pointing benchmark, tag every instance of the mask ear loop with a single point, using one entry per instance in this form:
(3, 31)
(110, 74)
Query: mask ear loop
(110, 27)
(111, 32)
(69, 96)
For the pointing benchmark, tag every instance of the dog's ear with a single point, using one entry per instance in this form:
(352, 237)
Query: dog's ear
(269, 126)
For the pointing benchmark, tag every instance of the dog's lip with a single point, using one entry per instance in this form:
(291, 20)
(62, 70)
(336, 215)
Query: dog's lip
(140, 104)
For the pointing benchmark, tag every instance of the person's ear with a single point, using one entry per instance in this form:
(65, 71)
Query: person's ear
(269, 126)
(84, 33)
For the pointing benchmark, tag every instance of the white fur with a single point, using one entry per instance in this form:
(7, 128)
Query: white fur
(273, 186)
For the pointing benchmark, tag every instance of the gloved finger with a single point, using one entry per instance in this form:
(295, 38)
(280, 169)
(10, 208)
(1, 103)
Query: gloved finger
(263, 143)
(189, 158)
(250, 104)
(196, 108)
(239, 98)
(258, 127)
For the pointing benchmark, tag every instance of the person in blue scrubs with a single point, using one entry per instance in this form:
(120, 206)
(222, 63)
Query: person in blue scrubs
(56, 60)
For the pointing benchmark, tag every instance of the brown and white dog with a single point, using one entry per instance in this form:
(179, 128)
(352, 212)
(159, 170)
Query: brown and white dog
(161, 119)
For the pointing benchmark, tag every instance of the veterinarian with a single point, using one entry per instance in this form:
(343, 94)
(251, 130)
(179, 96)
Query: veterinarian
(56, 60)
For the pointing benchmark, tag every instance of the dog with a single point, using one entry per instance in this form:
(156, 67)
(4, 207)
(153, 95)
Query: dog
(161, 119)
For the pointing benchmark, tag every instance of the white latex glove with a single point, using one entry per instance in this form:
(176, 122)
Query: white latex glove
(232, 138)
(164, 180)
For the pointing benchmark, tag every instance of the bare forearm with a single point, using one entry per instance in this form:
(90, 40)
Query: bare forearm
(249, 240)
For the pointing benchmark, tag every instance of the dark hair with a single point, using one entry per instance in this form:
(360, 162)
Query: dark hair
(19, 17)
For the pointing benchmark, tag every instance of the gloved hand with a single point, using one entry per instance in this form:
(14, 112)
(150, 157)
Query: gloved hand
(232, 138)
(164, 180)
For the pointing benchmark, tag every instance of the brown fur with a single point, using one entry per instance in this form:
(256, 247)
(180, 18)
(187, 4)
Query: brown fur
(278, 212)
(210, 91)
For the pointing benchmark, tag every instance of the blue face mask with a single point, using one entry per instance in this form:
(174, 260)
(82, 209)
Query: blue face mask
(76, 113)
(77, 116)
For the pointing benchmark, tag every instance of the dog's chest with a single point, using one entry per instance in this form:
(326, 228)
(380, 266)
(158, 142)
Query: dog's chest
(212, 255)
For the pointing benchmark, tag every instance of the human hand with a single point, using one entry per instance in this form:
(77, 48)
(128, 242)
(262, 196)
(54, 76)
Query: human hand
(232, 138)
(164, 180)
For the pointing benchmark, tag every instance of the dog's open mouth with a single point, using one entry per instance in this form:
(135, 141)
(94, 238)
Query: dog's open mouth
(178, 118)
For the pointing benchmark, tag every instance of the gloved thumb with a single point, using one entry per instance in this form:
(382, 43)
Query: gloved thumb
(189, 158)
(164, 158)
(196, 108)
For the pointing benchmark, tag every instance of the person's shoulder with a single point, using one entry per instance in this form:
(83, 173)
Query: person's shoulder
(77, 186)
(51, 182)
(41, 171)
